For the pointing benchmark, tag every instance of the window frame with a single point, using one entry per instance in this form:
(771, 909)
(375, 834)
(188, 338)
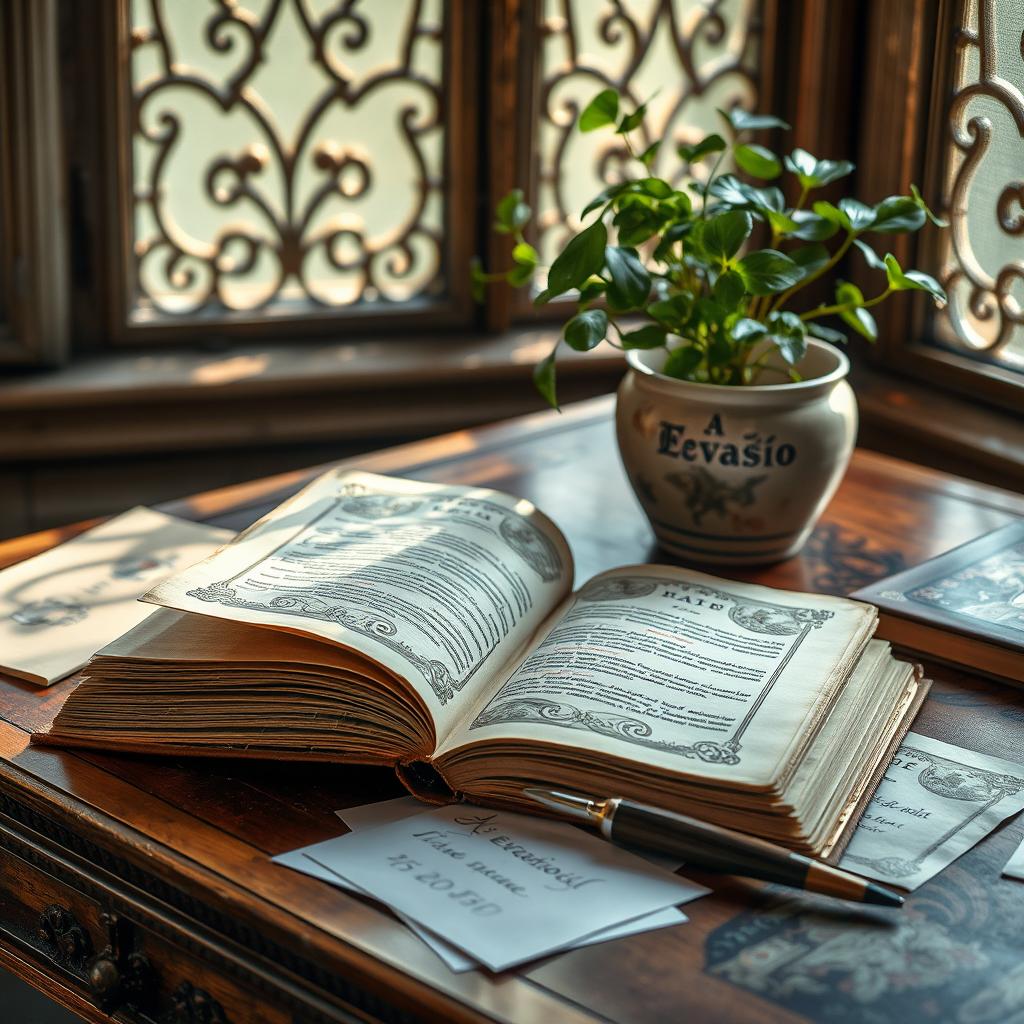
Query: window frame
(906, 106)
(34, 278)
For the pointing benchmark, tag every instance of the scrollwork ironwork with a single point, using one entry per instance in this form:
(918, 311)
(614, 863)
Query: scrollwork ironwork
(983, 277)
(697, 55)
(292, 211)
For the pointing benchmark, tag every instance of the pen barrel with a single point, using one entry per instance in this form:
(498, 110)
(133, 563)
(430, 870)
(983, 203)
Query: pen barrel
(701, 844)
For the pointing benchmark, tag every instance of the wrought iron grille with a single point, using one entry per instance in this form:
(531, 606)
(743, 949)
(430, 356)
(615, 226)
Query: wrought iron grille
(686, 57)
(982, 256)
(286, 157)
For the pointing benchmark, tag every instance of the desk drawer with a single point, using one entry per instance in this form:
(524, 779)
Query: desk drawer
(128, 956)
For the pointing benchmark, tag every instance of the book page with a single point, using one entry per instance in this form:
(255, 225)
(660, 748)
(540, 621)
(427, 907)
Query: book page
(672, 668)
(59, 608)
(442, 585)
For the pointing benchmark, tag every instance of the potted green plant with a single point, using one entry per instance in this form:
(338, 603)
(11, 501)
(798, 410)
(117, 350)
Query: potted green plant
(735, 421)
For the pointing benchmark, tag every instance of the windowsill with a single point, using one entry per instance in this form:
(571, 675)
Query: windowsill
(937, 428)
(167, 400)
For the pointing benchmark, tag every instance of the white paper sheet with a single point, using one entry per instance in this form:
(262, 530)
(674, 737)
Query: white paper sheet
(934, 803)
(386, 811)
(59, 608)
(1015, 865)
(502, 887)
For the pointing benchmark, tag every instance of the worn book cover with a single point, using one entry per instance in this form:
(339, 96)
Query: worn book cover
(965, 606)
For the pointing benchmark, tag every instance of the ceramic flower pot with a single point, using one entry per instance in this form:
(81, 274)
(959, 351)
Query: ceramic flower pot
(736, 474)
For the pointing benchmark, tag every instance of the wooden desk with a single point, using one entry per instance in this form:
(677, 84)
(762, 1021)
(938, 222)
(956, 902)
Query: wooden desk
(178, 852)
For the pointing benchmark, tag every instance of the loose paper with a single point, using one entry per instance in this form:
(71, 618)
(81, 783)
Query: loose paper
(502, 887)
(387, 811)
(934, 803)
(1015, 865)
(59, 608)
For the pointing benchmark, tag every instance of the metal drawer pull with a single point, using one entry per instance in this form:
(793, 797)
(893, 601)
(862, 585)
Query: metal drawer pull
(57, 925)
(191, 1005)
(119, 976)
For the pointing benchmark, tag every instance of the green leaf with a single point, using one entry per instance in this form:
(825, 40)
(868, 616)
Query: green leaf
(758, 161)
(648, 155)
(682, 362)
(789, 335)
(814, 173)
(729, 290)
(602, 197)
(781, 223)
(511, 212)
(860, 216)
(706, 146)
(898, 213)
(655, 187)
(544, 379)
(593, 289)
(747, 331)
(707, 311)
(912, 280)
(583, 256)
(810, 258)
(650, 336)
(725, 233)
(586, 330)
(859, 319)
(520, 274)
(671, 311)
(768, 271)
(826, 333)
(719, 350)
(631, 121)
(477, 279)
(636, 223)
(811, 227)
(832, 214)
(525, 254)
(936, 220)
(743, 121)
(601, 110)
(871, 257)
(630, 283)
(544, 297)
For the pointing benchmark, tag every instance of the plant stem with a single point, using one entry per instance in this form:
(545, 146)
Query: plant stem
(841, 307)
(707, 184)
(836, 257)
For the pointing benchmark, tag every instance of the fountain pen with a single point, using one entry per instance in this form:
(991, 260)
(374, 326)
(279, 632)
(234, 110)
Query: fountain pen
(710, 846)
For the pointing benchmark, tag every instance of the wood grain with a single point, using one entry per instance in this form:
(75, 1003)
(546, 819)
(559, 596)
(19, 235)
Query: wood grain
(190, 842)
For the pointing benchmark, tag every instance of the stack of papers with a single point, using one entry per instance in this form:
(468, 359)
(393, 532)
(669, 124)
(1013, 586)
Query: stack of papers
(491, 887)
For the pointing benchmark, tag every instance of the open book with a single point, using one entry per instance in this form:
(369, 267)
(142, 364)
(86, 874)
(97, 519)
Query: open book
(433, 628)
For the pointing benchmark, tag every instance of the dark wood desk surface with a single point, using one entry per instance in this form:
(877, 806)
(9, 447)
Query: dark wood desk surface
(180, 850)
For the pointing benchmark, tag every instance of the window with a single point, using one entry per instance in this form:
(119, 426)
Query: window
(949, 114)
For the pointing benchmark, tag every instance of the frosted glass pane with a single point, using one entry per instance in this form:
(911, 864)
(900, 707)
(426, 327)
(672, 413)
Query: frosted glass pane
(285, 156)
(982, 256)
(690, 56)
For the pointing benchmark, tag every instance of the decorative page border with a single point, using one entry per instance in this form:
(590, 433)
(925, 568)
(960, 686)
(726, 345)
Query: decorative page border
(997, 786)
(360, 502)
(764, 617)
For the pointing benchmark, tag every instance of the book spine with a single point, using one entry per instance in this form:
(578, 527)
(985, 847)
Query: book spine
(425, 782)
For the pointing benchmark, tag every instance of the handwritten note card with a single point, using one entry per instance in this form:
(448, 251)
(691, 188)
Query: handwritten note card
(1015, 865)
(59, 608)
(502, 887)
(934, 803)
(387, 811)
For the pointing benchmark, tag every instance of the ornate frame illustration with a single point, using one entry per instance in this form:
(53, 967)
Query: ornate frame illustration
(764, 617)
(360, 502)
